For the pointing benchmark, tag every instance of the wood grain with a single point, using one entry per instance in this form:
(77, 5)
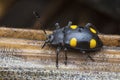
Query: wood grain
(21, 58)
(31, 50)
(108, 40)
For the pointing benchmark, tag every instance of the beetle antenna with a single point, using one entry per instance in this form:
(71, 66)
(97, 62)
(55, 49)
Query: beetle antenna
(36, 14)
(45, 40)
(44, 32)
(44, 44)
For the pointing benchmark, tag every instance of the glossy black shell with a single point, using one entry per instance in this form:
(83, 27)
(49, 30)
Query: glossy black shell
(62, 36)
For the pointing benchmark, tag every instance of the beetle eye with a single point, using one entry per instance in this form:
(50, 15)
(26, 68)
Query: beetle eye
(50, 37)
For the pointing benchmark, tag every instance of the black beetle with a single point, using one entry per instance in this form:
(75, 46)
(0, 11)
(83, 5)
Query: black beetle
(85, 39)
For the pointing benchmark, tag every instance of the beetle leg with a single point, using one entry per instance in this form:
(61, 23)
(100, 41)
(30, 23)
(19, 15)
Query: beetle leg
(57, 53)
(69, 23)
(44, 32)
(88, 25)
(57, 25)
(90, 57)
(65, 49)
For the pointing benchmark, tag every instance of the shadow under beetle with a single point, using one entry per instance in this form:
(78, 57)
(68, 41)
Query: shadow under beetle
(85, 39)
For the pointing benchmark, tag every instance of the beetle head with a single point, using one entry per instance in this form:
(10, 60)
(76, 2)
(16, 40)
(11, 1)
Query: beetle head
(50, 38)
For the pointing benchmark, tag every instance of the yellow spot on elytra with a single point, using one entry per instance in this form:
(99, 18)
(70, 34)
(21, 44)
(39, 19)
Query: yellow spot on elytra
(93, 30)
(73, 42)
(92, 43)
(73, 26)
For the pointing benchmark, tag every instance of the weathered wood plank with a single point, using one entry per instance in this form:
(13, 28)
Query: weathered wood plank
(30, 50)
(20, 57)
(22, 33)
(108, 40)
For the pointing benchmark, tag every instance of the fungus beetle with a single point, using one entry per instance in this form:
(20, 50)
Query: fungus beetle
(85, 39)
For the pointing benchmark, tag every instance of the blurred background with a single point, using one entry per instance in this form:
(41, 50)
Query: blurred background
(104, 14)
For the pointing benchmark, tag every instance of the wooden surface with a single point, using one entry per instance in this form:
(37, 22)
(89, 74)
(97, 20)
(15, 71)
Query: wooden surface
(21, 56)
(108, 40)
